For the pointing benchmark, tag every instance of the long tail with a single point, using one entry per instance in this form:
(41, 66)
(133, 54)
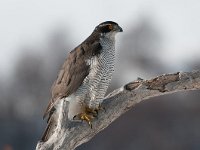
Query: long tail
(47, 131)
(48, 110)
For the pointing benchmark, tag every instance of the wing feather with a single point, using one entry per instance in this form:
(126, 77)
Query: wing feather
(73, 72)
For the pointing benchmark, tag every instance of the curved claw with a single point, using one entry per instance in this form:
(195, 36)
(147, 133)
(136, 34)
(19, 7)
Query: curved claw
(93, 112)
(88, 118)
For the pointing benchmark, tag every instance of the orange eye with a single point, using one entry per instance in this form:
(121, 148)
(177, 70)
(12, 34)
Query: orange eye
(110, 26)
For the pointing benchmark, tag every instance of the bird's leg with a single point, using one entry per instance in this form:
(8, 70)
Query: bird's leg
(87, 117)
(90, 113)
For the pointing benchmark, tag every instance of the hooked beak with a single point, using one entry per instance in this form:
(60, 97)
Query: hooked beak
(119, 29)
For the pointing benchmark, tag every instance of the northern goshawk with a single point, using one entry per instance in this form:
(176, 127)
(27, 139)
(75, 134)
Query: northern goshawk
(85, 75)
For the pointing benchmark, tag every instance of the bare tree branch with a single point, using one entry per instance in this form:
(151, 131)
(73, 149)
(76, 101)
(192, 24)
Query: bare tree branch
(69, 135)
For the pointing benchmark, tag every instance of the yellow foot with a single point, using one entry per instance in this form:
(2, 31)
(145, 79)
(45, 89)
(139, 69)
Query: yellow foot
(87, 117)
(95, 111)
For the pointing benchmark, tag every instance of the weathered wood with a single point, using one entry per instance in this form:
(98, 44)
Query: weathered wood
(69, 135)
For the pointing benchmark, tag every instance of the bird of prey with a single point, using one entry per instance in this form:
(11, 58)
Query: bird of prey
(86, 74)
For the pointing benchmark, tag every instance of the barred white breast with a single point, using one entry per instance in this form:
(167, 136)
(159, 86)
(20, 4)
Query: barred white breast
(95, 85)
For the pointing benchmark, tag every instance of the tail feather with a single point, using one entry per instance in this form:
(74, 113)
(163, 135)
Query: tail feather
(48, 110)
(50, 122)
(46, 133)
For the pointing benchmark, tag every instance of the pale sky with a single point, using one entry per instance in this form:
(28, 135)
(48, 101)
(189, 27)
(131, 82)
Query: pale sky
(25, 22)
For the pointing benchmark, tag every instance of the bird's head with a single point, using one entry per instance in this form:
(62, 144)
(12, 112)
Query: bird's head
(108, 28)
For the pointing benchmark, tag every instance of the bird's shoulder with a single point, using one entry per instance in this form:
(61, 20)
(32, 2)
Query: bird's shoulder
(74, 70)
(75, 67)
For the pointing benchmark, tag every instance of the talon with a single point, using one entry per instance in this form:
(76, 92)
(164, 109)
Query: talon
(74, 117)
(88, 118)
(93, 112)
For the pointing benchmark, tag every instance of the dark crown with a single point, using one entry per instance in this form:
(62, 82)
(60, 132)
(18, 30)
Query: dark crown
(106, 26)
(108, 22)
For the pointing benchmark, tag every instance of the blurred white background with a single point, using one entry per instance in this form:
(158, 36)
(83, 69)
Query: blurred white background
(29, 22)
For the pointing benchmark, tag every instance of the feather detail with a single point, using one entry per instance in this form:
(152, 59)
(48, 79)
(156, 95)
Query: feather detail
(74, 70)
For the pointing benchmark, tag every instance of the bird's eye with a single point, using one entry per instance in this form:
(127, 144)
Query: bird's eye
(110, 26)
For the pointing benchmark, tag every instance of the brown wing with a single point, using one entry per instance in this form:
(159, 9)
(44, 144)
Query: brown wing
(73, 72)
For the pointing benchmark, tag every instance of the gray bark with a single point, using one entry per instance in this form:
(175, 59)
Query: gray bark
(68, 135)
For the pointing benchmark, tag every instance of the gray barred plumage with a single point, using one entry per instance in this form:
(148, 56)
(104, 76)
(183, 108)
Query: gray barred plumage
(95, 85)
(102, 67)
